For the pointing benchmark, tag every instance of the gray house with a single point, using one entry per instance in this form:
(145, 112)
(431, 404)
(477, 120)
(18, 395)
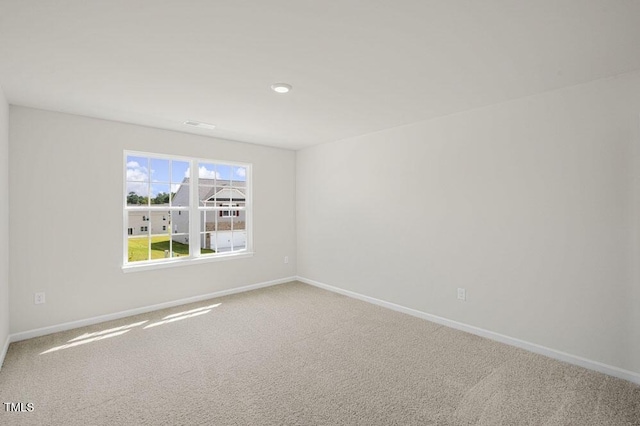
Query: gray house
(222, 214)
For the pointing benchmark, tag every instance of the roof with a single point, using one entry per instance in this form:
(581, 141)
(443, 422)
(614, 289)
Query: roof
(210, 188)
(224, 194)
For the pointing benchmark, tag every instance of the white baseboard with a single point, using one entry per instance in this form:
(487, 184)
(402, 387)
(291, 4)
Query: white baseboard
(531, 347)
(16, 337)
(5, 348)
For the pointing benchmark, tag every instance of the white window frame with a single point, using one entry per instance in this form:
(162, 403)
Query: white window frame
(195, 256)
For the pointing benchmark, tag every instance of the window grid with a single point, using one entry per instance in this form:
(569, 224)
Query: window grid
(214, 234)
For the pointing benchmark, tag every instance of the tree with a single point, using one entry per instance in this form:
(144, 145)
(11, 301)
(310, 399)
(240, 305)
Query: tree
(133, 198)
(161, 198)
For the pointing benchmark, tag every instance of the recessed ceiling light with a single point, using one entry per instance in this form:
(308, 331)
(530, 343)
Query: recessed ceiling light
(281, 87)
(200, 124)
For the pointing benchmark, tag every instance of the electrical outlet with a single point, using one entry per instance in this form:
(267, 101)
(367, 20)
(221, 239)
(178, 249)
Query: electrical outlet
(462, 294)
(286, 259)
(38, 298)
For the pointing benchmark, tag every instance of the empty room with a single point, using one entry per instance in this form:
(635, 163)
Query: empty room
(320, 212)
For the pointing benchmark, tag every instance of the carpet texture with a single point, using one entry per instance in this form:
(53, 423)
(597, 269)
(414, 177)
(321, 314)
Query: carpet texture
(293, 354)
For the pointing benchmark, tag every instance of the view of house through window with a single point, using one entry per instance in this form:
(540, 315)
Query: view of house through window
(183, 208)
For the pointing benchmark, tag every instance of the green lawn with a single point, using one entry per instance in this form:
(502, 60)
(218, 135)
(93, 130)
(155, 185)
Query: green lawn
(139, 248)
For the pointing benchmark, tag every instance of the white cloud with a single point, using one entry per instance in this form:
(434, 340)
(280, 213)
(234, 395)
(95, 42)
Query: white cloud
(135, 172)
(241, 171)
(204, 173)
(140, 188)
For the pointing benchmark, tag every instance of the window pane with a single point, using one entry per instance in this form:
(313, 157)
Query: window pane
(239, 240)
(179, 230)
(160, 246)
(138, 220)
(208, 220)
(159, 170)
(160, 223)
(238, 197)
(223, 241)
(180, 245)
(180, 183)
(207, 243)
(137, 193)
(138, 248)
(221, 196)
(169, 234)
(206, 195)
(179, 222)
(225, 196)
(180, 194)
(223, 219)
(239, 223)
(239, 175)
(224, 172)
(138, 236)
(160, 193)
(207, 173)
(179, 171)
(137, 169)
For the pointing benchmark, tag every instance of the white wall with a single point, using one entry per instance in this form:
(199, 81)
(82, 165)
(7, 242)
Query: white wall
(529, 205)
(72, 167)
(4, 222)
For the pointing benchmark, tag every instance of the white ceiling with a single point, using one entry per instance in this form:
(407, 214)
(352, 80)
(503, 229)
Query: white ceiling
(356, 66)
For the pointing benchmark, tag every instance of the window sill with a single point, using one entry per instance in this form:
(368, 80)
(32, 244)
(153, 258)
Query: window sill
(147, 266)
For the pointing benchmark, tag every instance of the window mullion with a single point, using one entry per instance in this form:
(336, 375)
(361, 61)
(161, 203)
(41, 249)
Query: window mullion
(194, 213)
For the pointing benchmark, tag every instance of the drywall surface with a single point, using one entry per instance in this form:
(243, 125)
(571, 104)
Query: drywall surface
(4, 221)
(528, 205)
(633, 299)
(66, 192)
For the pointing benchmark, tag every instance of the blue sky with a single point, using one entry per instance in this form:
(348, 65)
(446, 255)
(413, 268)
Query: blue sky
(166, 175)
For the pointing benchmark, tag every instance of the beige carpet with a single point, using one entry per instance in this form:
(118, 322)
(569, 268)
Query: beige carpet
(297, 355)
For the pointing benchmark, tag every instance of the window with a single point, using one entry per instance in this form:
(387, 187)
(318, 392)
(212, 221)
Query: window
(186, 209)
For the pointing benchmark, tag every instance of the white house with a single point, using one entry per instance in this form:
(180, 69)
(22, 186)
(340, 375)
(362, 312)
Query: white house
(153, 222)
(222, 214)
